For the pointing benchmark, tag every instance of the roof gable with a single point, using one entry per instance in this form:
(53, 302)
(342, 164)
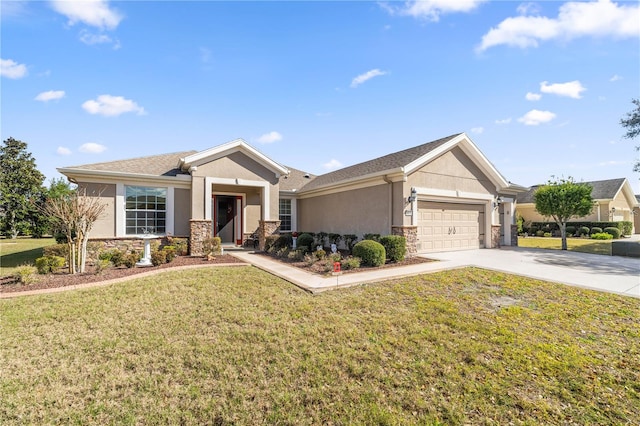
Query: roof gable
(408, 161)
(602, 190)
(192, 161)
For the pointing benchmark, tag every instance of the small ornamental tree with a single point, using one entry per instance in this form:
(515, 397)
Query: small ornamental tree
(563, 200)
(632, 124)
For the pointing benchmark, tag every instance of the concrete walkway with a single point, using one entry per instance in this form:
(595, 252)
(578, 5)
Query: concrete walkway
(613, 274)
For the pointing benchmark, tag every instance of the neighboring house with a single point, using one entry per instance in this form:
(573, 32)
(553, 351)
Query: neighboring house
(442, 195)
(614, 202)
(636, 215)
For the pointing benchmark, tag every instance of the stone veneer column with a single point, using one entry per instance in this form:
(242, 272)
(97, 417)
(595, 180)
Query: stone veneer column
(200, 231)
(495, 236)
(411, 235)
(266, 228)
(514, 235)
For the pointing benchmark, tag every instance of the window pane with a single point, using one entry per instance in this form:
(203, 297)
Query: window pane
(145, 209)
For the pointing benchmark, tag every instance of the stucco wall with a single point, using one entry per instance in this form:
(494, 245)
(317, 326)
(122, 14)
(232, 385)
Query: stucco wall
(453, 170)
(182, 212)
(359, 211)
(105, 226)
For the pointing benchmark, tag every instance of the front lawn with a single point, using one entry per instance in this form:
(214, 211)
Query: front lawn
(239, 346)
(584, 245)
(16, 252)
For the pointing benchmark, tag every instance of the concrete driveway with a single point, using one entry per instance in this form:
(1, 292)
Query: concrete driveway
(613, 274)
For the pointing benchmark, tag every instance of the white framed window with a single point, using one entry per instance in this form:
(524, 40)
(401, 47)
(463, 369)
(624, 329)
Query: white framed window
(145, 210)
(285, 215)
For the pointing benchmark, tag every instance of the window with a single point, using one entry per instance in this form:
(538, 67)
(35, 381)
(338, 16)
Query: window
(146, 210)
(285, 215)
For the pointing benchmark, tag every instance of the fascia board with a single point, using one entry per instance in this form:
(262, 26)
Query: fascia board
(97, 176)
(395, 175)
(225, 149)
(372, 180)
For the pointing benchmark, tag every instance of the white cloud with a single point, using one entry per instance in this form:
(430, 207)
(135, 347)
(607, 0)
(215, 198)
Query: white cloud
(92, 148)
(535, 117)
(89, 38)
(528, 9)
(366, 76)
(333, 164)
(111, 106)
(432, 9)
(12, 69)
(51, 95)
(615, 77)
(504, 121)
(95, 13)
(601, 18)
(571, 89)
(477, 130)
(270, 137)
(532, 96)
(63, 151)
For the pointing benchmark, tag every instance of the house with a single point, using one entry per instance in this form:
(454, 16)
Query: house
(442, 195)
(614, 202)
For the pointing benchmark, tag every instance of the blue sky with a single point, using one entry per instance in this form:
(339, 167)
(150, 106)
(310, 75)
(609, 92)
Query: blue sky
(540, 87)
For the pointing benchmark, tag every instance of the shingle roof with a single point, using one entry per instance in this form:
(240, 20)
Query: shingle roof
(380, 164)
(602, 190)
(155, 165)
(295, 180)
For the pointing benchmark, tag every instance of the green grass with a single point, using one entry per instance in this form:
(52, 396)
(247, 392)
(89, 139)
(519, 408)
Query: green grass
(238, 346)
(17, 252)
(584, 245)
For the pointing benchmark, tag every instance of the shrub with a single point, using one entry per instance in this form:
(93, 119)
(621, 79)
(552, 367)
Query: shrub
(547, 234)
(350, 241)
(170, 252)
(269, 243)
(48, 264)
(334, 257)
(305, 242)
(625, 227)
(158, 257)
(395, 247)
(571, 230)
(320, 254)
(372, 237)
(371, 252)
(334, 238)
(321, 237)
(115, 256)
(596, 230)
(131, 259)
(61, 250)
(283, 241)
(310, 259)
(614, 232)
(181, 245)
(102, 265)
(25, 274)
(583, 231)
(350, 263)
(601, 236)
(212, 246)
(282, 252)
(296, 254)
(540, 233)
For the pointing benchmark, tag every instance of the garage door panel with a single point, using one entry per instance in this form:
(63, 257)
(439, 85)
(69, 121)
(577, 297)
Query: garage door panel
(450, 226)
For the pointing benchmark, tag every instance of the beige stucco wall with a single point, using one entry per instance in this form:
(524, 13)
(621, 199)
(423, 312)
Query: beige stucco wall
(358, 211)
(233, 166)
(453, 170)
(105, 226)
(182, 212)
(623, 209)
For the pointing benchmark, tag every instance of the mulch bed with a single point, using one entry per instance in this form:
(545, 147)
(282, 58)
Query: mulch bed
(8, 284)
(321, 269)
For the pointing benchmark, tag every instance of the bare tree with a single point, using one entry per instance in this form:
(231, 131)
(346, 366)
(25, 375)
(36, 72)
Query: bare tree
(76, 213)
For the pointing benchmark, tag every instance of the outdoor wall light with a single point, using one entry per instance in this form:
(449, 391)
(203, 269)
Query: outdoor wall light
(497, 202)
(413, 196)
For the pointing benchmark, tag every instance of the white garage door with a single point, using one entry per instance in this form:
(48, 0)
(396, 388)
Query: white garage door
(450, 226)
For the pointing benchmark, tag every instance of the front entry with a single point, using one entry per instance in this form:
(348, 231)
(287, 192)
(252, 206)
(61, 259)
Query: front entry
(227, 218)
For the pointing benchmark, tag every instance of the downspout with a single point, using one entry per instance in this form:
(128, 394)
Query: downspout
(391, 222)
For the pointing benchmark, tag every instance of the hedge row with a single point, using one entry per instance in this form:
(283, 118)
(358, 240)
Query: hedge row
(625, 227)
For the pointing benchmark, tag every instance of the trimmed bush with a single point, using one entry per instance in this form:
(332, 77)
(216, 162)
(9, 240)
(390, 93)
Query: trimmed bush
(571, 230)
(48, 264)
(602, 236)
(371, 252)
(102, 265)
(305, 242)
(320, 254)
(283, 241)
(350, 262)
(395, 247)
(540, 233)
(25, 274)
(547, 234)
(181, 245)
(115, 256)
(583, 230)
(614, 232)
(372, 237)
(170, 252)
(596, 230)
(61, 250)
(158, 257)
(131, 259)
(334, 257)
(625, 227)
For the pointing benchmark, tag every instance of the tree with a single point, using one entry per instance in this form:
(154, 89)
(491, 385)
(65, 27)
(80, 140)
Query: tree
(563, 200)
(75, 213)
(632, 124)
(20, 188)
